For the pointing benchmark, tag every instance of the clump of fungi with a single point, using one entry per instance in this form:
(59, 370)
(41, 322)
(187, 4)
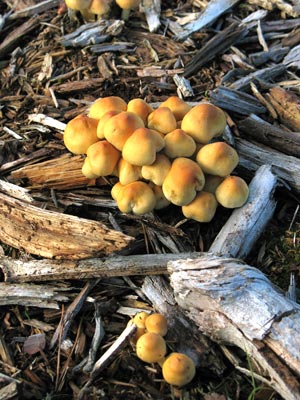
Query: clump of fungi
(169, 155)
(178, 369)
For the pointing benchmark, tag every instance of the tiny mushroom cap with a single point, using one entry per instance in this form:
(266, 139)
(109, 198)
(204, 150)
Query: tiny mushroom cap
(141, 147)
(157, 171)
(103, 158)
(103, 120)
(161, 200)
(162, 120)
(157, 323)
(80, 132)
(183, 181)
(127, 172)
(203, 122)
(116, 190)
(104, 104)
(151, 347)
(178, 369)
(178, 106)
(179, 144)
(212, 182)
(139, 332)
(78, 5)
(87, 169)
(120, 127)
(99, 7)
(202, 208)
(136, 197)
(140, 319)
(140, 107)
(217, 158)
(233, 192)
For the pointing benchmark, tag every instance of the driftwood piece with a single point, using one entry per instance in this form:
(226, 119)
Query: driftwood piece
(25, 294)
(219, 43)
(35, 9)
(259, 130)
(53, 270)
(252, 155)
(54, 235)
(246, 224)
(212, 11)
(236, 304)
(236, 101)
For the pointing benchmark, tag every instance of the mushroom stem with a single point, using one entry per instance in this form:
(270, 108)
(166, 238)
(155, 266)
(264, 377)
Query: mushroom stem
(125, 14)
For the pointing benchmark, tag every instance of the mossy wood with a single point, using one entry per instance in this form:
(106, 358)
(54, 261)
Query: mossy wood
(51, 234)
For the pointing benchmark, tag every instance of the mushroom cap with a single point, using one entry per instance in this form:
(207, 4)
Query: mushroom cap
(151, 347)
(141, 147)
(157, 171)
(138, 333)
(161, 201)
(162, 120)
(140, 107)
(203, 122)
(103, 158)
(78, 4)
(136, 197)
(87, 169)
(127, 172)
(179, 144)
(99, 7)
(157, 323)
(217, 158)
(212, 182)
(178, 106)
(178, 369)
(184, 179)
(103, 120)
(80, 132)
(128, 4)
(233, 192)
(140, 319)
(120, 127)
(104, 104)
(202, 208)
(115, 190)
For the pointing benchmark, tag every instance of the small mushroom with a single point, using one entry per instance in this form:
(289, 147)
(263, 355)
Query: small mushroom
(217, 158)
(141, 147)
(151, 347)
(161, 201)
(120, 127)
(80, 132)
(162, 120)
(179, 144)
(203, 122)
(184, 179)
(104, 104)
(78, 5)
(136, 197)
(127, 6)
(202, 208)
(140, 107)
(100, 8)
(178, 369)
(212, 182)
(233, 192)
(157, 323)
(103, 158)
(178, 106)
(115, 190)
(103, 120)
(140, 319)
(87, 169)
(157, 171)
(127, 172)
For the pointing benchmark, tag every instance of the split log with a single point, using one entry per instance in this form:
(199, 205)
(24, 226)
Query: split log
(252, 155)
(54, 235)
(261, 131)
(235, 304)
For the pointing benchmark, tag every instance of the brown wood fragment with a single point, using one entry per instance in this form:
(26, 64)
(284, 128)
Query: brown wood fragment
(78, 86)
(54, 235)
(11, 40)
(256, 128)
(63, 172)
(287, 105)
(35, 9)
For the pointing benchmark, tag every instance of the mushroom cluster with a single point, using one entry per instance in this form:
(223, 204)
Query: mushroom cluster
(91, 9)
(178, 369)
(162, 156)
